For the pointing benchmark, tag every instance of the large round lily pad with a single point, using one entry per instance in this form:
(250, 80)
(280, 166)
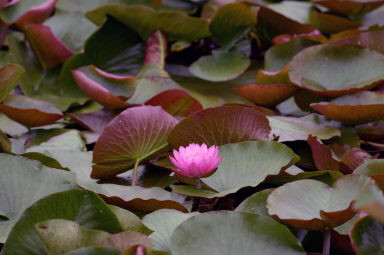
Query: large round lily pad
(367, 236)
(219, 126)
(228, 233)
(334, 70)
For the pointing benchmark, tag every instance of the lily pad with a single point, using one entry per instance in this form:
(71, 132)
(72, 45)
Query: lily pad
(236, 232)
(294, 129)
(95, 251)
(9, 74)
(83, 207)
(367, 236)
(350, 7)
(257, 203)
(176, 102)
(373, 168)
(61, 236)
(361, 107)
(331, 71)
(245, 164)
(145, 20)
(313, 205)
(231, 22)
(219, 126)
(107, 89)
(27, 11)
(220, 66)
(163, 223)
(369, 40)
(134, 135)
(21, 187)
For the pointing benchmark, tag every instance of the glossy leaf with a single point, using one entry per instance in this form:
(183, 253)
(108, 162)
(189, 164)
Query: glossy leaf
(367, 236)
(219, 126)
(373, 168)
(122, 141)
(255, 203)
(236, 232)
(317, 69)
(310, 204)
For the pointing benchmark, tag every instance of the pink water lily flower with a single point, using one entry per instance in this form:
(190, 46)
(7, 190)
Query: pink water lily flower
(195, 161)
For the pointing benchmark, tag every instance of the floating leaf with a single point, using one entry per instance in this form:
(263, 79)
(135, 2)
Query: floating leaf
(313, 205)
(163, 223)
(331, 24)
(176, 102)
(367, 236)
(107, 89)
(146, 20)
(83, 207)
(245, 164)
(219, 126)
(21, 187)
(350, 7)
(294, 129)
(27, 11)
(360, 107)
(231, 22)
(255, 203)
(134, 135)
(220, 66)
(331, 71)
(9, 74)
(369, 40)
(373, 168)
(61, 236)
(236, 232)
(95, 121)
(95, 251)
(53, 51)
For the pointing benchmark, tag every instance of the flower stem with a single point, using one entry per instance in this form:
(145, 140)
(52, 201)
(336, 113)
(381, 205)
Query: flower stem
(326, 242)
(196, 200)
(135, 173)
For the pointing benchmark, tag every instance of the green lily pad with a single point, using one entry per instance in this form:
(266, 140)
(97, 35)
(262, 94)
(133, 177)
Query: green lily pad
(95, 251)
(10, 74)
(134, 135)
(60, 236)
(294, 129)
(314, 205)
(255, 203)
(219, 126)
(83, 207)
(331, 71)
(21, 180)
(163, 223)
(145, 20)
(220, 66)
(245, 164)
(236, 232)
(367, 236)
(231, 22)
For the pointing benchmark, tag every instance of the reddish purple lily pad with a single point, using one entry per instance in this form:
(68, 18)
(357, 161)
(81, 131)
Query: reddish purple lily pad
(136, 134)
(30, 112)
(176, 102)
(95, 121)
(361, 107)
(107, 89)
(156, 50)
(372, 40)
(221, 125)
(47, 46)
